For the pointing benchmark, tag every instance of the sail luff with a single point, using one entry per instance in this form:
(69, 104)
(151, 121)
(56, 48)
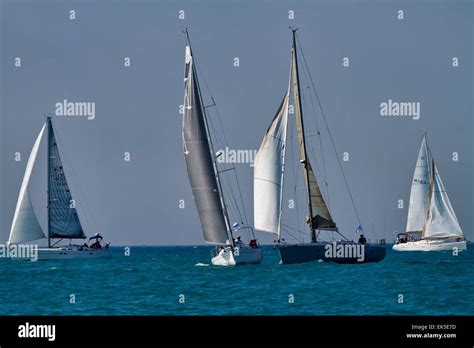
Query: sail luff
(316, 204)
(25, 226)
(200, 161)
(430, 194)
(283, 156)
(48, 173)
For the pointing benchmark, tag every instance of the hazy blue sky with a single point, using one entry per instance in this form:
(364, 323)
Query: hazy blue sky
(136, 202)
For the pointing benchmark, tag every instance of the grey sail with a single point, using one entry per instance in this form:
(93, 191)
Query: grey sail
(63, 219)
(321, 218)
(199, 163)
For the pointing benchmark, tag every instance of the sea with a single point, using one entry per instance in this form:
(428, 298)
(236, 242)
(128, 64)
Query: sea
(181, 281)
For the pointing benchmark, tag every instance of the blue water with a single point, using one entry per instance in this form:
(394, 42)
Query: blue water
(151, 279)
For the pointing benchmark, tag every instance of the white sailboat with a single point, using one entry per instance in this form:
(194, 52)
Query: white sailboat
(432, 224)
(205, 178)
(269, 174)
(63, 222)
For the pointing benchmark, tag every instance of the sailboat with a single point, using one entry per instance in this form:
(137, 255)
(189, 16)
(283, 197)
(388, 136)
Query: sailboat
(63, 222)
(432, 224)
(269, 173)
(205, 179)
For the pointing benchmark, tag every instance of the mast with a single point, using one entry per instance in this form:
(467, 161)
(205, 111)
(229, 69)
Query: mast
(213, 156)
(303, 160)
(48, 121)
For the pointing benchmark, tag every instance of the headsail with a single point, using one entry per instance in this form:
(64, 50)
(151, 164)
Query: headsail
(63, 219)
(420, 187)
(199, 163)
(441, 220)
(268, 172)
(25, 226)
(321, 218)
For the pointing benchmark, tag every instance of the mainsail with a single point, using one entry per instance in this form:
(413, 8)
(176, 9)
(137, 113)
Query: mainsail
(25, 226)
(419, 195)
(321, 218)
(199, 163)
(268, 172)
(63, 219)
(441, 220)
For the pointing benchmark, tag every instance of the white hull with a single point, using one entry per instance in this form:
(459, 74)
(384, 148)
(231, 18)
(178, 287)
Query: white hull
(240, 256)
(431, 245)
(69, 253)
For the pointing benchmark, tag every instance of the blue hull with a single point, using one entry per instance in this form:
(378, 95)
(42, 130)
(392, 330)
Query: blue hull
(299, 253)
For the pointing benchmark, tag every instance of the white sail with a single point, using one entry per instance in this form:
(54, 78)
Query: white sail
(442, 221)
(25, 225)
(419, 195)
(268, 172)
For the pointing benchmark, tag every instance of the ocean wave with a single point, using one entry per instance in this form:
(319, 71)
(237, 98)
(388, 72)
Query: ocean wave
(200, 264)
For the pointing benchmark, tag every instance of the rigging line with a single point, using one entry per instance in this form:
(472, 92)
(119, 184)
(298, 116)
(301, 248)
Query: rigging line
(319, 171)
(230, 191)
(201, 75)
(227, 184)
(315, 118)
(215, 133)
(323, 161)
(230, 195)
(315, 162)
(291, 235)
(295, 182)
(295, 229)
(322, 172)
(229, 187)
(330, 135)
(87, 214)
(241, 197)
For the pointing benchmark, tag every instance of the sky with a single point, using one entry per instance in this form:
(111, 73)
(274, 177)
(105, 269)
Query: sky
(137, 202)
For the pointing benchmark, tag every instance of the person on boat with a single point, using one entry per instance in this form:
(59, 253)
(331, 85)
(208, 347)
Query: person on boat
(253, 243)
(96, 244)
(238, 242)
(362, 240)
